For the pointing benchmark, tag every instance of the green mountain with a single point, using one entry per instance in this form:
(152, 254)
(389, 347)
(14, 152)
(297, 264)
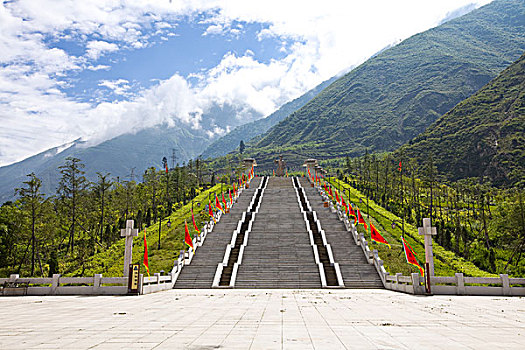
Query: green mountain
(117, 156)
(122, 154)
(483, 136)
(396, 95)
(247, 132)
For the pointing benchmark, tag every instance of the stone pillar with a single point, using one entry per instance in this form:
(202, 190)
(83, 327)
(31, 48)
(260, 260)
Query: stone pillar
(310, 164)
(428, 231)
(129, 232)
(248, 163)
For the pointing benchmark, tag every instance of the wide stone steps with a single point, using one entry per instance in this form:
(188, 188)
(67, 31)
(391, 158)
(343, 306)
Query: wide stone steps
(278, 254)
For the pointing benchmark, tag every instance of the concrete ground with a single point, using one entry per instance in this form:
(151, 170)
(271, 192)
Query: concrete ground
(263, 319)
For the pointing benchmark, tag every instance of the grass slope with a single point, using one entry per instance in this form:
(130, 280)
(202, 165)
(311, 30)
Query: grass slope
(446, 263)
(111, 261)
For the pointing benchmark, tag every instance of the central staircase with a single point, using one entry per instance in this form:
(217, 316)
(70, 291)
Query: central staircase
(278, 253)
(285, 238)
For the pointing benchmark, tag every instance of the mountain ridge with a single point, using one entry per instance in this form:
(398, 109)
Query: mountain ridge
(396, 95)
(481, 137)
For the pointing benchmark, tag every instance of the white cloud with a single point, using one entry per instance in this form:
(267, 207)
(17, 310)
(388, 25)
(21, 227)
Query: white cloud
(119, 86)
(98, 67)
(96, 48)
(326, 38)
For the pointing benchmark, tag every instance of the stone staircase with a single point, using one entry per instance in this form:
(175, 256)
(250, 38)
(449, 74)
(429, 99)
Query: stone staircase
(201, 271)
(356, 271)
(278, 253)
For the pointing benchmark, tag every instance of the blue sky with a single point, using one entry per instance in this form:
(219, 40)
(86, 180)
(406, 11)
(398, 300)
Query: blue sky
(100, 68)
(183, 50)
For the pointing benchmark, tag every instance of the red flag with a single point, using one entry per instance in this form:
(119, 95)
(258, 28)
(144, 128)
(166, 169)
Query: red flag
(218, 204)
(376, 236)
(194, 224)
(361, 220)
(166, 164)
(399, 166)
(187, 236)
(352, 213)
(231, 198)
(330, 189)
(224, 201)
(273, 172)
(210, 211)
(336, 196)
(145, 260)
(409, 255)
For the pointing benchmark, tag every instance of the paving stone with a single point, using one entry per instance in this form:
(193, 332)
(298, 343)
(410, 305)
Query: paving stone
(263, 319)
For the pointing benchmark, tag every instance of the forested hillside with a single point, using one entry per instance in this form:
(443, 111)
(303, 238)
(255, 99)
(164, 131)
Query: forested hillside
(396, 95)
(483, 136)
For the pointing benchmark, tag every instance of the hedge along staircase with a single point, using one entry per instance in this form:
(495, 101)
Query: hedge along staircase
(201, 271)
(355, 270)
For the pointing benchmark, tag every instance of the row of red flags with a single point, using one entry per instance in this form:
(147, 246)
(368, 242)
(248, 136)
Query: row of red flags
(375, 235)
(243, 179)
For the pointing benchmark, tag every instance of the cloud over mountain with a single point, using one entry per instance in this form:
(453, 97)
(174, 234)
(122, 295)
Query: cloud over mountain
(46, 46)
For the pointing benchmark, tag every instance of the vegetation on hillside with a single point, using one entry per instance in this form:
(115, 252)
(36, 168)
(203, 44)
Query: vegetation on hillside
(77, 230)
(483, 136)
(394, 96)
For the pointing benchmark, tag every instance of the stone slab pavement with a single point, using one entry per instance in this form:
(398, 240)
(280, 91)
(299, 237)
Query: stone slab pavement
(263, 319)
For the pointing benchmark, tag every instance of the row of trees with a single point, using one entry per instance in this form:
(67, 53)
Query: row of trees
(42, 234)
(475, 220)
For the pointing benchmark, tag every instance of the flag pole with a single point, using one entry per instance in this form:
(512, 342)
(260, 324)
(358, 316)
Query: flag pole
(402, 196)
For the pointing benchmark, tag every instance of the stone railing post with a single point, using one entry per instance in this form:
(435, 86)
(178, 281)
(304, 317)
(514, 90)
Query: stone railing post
(96, 282)
(415, 283)
(55, 283)
(460, 284)
(13, 278)
(505, 283)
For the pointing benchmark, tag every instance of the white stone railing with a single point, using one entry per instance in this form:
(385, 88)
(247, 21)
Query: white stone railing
(62, 285)
(334, 264)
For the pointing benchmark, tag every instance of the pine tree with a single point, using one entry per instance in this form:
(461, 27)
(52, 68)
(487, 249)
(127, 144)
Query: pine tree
(71, 188)
(31, 200)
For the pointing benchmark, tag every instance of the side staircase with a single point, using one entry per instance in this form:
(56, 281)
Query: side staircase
(356, 271)
(201, 271)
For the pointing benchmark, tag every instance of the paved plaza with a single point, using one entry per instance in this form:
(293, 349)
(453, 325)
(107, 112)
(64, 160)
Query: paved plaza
(263, 319)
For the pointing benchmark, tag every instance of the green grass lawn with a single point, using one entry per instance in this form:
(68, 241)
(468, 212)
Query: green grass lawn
(446, 263)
